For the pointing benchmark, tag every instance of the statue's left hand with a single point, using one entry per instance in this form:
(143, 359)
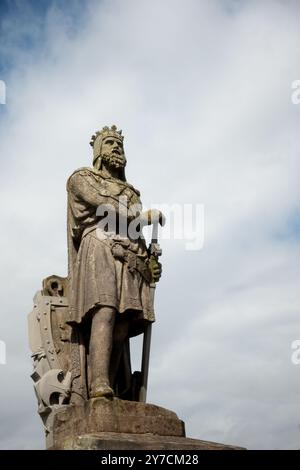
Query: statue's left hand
(155, 269)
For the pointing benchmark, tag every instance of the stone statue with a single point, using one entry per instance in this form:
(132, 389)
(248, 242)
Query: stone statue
(81, 325)
(110, 272)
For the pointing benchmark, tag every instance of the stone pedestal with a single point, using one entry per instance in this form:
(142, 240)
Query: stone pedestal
(122, 441)
(113, 424)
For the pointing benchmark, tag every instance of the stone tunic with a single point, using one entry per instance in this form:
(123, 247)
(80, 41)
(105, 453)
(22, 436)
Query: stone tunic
(105, 269)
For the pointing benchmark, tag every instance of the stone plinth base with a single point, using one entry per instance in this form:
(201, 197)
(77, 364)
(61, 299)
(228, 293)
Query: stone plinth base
(102, 415)
(112, 424)
(123, 441)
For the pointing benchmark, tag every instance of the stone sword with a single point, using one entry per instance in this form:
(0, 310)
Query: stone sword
(155, 252)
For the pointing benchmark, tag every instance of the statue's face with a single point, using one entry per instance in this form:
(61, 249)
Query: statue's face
(112, 152)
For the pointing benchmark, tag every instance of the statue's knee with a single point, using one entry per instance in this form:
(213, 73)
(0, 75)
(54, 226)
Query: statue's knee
(104, 315)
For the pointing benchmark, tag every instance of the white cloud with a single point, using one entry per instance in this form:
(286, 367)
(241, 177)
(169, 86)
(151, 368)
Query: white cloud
(203, 94)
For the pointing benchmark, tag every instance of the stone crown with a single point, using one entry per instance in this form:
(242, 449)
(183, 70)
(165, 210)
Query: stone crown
(107, 132)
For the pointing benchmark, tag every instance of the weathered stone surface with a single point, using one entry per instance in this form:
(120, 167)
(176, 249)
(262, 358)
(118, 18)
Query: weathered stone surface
(123, 441)
(112, 273)
(81, 325)
(102, 415)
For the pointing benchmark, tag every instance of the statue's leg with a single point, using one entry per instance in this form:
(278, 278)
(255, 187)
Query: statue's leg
(119, 337)
(100, 351)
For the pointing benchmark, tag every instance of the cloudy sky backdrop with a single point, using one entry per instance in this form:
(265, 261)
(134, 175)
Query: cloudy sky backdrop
(202, 91)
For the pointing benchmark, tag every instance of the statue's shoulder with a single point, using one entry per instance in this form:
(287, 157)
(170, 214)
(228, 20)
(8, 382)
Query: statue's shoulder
(85, 172)
(132, 188)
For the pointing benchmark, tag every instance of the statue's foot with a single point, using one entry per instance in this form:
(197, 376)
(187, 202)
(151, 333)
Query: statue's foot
(102, 390)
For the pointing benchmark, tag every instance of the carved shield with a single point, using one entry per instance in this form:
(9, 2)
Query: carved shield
(50, 343)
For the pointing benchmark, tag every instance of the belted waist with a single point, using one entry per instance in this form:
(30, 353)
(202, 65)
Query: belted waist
(123, 249)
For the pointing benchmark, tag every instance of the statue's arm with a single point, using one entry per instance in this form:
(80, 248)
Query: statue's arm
(83, 189)
(86, 189)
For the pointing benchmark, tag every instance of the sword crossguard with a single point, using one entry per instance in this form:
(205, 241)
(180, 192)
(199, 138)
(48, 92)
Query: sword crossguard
(155, 250)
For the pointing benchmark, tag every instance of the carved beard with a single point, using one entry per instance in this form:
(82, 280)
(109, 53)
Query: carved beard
(112, 160)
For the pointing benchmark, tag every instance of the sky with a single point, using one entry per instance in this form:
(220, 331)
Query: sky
(202, 91)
